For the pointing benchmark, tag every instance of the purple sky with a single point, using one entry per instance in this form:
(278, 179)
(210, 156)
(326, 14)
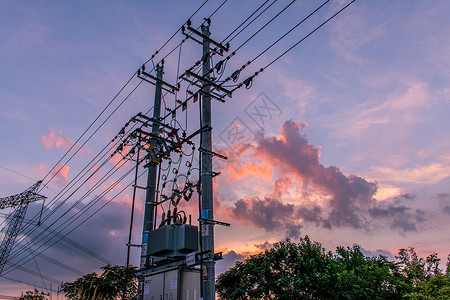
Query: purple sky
(351, 143)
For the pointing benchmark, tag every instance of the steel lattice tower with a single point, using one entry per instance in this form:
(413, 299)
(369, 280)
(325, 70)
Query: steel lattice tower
(20, 202)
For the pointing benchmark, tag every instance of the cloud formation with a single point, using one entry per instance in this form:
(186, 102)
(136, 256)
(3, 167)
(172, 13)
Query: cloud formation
(347, 194)
(56, 139)
(268, 213)
(329, 198)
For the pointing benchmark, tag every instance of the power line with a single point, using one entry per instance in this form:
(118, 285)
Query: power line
(20, 174)
(106, 203)
(309, 34)
(247, 82)
(243, 22)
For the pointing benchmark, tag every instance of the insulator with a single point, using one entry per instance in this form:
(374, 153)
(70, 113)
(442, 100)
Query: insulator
(189, 22)
(143, 67)
(248, 82)
(184, 220)
(168, 215)
(163, 217)
(139, 72)
(219, 65)
(175, 212)
(188, 196)
(235, 75)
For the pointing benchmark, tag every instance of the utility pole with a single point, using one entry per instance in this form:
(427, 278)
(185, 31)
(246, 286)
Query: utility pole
(150, 197)
(206, 173)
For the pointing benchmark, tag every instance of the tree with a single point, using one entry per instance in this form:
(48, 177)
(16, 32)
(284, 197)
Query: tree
(109, 285)
(287, 271)
(34, 295)
(362, 277)
(423, 279)
(307, 271)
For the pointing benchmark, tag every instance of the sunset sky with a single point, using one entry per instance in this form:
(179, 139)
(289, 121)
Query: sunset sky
(346, 138)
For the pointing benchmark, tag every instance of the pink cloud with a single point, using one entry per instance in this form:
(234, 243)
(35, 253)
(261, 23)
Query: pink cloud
(61, 177)
(294, 154)
(56, 139)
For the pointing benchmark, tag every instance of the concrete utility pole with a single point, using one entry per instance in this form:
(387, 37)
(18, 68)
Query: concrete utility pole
(206, 173)
(150, 196)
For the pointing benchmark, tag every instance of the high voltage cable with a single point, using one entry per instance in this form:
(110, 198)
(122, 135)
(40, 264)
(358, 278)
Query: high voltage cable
(264, 26)
(293, 28)
(107, 191)
(210, 16)
(106, 203)
(79, 201)
(118, 93)
(99, 183)
(243, 22)
(101, 158)
(24, 282)
(317, 28)
(133, 90)
(90, 126)
(253, 19)
(276, 42)
(173, 35)
(296, 44)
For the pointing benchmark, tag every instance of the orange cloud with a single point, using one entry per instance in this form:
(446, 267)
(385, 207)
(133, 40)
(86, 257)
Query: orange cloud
(240, 170)
(62, 172)
(56, 139)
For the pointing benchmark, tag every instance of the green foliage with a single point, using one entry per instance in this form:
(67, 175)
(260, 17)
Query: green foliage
(108, 285)
(34, 295)
(307, 271)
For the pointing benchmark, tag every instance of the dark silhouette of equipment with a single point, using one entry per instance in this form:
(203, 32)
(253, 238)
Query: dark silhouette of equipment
(15, 219)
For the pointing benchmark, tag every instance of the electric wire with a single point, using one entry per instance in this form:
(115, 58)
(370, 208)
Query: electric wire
(112, 101)
(106, 177)
(243, 22)
(292, 29)
(106, 203)
(116, 144)
(217, 9)
(309, 34)
(246, 81)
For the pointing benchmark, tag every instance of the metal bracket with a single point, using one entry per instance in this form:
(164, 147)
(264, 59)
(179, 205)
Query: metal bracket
(212, 153)
(218, 45)
(214, 222)
(213, 84)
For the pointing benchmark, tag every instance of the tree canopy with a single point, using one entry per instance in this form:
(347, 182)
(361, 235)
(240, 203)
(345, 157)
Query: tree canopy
(307, 271)
(109, 285)
(34, 295)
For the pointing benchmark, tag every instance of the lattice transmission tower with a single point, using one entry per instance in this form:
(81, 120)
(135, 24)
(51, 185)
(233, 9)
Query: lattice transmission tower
(20, 202)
